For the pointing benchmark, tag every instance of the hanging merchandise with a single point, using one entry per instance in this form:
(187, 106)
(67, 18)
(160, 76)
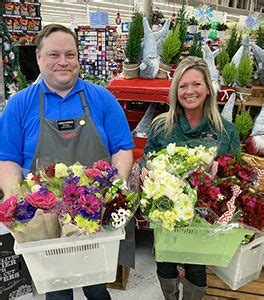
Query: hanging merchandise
(97, 50)
(22, 18)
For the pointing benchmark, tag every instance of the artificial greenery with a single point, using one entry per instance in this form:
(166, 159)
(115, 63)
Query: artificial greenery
(196, 47)
(234, 42)
(193, 21)
(206, 26)
(222, 59)
(244, 72)
(221, 27)
(171, 46)
(182, 21)
(135, 35)
(243, 123)
(229, 74)
(260, 37)
(21, 81)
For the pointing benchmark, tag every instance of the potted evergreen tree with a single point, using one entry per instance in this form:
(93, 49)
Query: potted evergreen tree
(133, 46)
(234, 42)
(193, 25)
(196, 47)
(244, 75)
(222, 59)
(228, 76)
(170, 47)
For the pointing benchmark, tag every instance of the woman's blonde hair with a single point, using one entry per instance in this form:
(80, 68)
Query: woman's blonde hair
(166, 121)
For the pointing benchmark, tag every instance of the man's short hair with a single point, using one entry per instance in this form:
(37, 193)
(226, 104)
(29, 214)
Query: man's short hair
(51, 28)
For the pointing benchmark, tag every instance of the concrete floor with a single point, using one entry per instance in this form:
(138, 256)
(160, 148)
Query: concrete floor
(142, 282)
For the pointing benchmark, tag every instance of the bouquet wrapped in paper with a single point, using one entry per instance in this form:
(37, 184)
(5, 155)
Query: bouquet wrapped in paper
(64, 200)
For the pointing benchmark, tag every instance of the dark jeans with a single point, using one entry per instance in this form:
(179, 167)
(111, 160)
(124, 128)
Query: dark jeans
(92, 292)
(196, 274)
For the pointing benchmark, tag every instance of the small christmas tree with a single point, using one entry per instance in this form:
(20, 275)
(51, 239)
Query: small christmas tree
(10, 61)
(260, 37)
(222, 59)
(234, 42)
(182, 21)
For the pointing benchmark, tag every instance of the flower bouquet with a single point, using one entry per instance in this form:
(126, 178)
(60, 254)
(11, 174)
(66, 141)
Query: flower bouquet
(66, 200)
(170, 197)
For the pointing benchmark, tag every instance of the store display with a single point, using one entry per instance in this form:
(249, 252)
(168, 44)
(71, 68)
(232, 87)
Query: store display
(97, 50)
(21, 17)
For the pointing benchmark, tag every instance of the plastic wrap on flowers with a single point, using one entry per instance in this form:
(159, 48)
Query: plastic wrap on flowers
(94, 199)
(167, 198)
(83, 201)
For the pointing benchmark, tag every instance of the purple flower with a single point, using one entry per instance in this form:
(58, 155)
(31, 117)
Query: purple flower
(25, 211)
(71, 179)
(43, 191)
(86, 215)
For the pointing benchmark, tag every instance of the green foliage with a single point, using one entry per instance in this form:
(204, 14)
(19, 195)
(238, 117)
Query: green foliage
(243, 123)
(193, 21)
(196, 47)
(229, 74)
(206, 26)
(135, 35)
(260, 37)
(244, 71)
(96, 80)
(21, 81)
(221, 27)
(171, 46)
(182, 21)
(222, 59)
(234, 42)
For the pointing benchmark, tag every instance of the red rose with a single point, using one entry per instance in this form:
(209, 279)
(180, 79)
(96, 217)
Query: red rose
(92, 173)
(43, 201)
(7, 209)
(101, 165)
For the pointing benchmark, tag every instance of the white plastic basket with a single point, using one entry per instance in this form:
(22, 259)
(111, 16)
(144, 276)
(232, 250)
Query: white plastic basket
(70, 262)
(245, 266)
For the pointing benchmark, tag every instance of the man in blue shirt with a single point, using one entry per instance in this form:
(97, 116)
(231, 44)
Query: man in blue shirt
(64, 119)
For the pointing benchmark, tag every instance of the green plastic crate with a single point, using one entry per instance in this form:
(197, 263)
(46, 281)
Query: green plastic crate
(194, 245)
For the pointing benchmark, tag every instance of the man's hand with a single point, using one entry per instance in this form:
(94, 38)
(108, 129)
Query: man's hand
(123, 161)
(10, 177)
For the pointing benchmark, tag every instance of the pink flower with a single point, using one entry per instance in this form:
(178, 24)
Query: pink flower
(7, 209)
(101, 165)
(225, 160)
(91, 204)
(92, 173)
(43, 201)
(72, 192)
(214, 192)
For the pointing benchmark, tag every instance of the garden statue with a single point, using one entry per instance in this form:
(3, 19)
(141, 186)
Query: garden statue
(244, 48)
(227, 111)
(149, 66)
(259, 55)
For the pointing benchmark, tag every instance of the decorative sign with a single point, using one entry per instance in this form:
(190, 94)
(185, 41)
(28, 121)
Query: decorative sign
(125, 27)
(204, 13)
(15, 280)
(98, 19)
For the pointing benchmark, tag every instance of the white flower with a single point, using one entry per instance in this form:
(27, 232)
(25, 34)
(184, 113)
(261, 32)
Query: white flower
(35, 188)
(171, 149)
(29, 176)
(60, 170)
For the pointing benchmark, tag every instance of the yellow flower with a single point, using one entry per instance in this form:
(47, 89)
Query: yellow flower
(90, 226)
(77, 169)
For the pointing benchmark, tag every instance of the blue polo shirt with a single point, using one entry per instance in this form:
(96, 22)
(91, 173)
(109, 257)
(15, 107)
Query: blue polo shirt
(20, 121)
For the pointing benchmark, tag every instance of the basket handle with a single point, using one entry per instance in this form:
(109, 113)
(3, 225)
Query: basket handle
(256, 242)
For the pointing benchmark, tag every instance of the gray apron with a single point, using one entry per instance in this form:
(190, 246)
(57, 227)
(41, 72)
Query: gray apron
(80, 144)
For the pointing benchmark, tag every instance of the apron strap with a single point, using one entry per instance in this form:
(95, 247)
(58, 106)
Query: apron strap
(85, 104)
(41, 106)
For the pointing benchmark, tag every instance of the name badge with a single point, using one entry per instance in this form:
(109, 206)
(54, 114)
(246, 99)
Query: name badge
(65, 125)
(209, 136)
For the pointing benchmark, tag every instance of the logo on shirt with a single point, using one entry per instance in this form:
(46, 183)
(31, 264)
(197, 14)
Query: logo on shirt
(68, 135)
